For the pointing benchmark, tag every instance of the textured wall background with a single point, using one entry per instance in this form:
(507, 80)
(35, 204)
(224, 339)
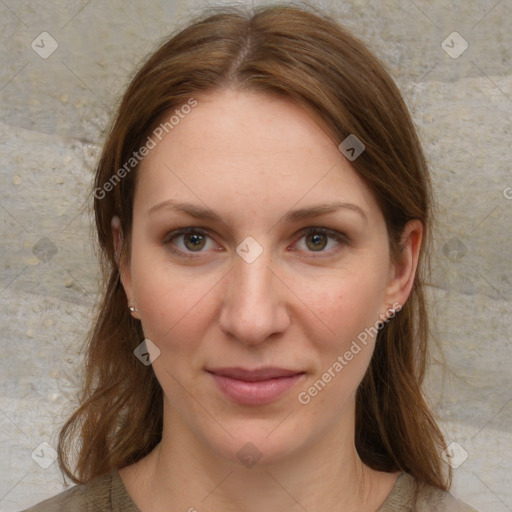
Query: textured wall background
(54, 108)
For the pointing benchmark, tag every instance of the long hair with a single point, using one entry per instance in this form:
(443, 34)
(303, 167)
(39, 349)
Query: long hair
(306, 56)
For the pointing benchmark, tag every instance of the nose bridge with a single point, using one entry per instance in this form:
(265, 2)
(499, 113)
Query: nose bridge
(253, 307)
(252, 282)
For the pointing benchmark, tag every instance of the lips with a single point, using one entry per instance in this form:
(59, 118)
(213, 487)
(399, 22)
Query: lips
(255, 387)
(254, 375)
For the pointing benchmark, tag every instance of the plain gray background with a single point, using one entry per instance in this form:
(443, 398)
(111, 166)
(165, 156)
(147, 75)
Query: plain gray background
(54, 110)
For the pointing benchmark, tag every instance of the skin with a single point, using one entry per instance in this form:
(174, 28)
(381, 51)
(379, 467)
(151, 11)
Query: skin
(252, 158)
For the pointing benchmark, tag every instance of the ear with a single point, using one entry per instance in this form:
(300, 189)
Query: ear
(403, 270)
(124, 269)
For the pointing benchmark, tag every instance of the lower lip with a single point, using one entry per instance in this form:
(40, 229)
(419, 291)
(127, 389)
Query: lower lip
(258, 392)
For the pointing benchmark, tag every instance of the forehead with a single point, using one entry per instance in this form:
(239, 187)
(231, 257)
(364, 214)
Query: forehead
(253, 149)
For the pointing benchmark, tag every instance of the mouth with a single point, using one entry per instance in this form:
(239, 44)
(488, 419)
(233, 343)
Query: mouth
(255, 387)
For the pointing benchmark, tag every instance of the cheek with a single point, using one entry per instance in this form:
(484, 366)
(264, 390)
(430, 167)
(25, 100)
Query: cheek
(343, 306)
(343, 345)
(173, 304)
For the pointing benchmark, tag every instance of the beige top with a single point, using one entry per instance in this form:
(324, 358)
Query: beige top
(107, 493)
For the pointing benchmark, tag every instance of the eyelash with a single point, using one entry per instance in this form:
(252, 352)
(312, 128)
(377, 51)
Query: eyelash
(341, 238)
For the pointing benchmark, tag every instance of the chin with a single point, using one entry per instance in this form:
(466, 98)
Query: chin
(258, 445)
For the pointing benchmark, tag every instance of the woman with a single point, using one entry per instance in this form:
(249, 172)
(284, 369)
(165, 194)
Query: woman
(264, 212)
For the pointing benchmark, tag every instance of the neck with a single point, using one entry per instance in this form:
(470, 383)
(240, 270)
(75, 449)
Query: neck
(325, 475)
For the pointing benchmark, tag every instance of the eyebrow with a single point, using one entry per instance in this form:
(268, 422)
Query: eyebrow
(199, 212)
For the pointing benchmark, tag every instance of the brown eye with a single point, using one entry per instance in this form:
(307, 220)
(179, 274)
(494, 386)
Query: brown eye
(316, 241)
(194, 241)
(324, 241)
(186, 241)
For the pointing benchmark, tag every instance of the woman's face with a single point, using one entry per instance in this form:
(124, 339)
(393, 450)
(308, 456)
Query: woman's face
(283, 266)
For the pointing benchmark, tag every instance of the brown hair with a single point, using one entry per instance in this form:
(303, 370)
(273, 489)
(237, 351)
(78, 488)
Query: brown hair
(309, 58)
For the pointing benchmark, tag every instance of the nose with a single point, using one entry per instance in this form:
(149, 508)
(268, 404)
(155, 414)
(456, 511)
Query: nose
(254, 304)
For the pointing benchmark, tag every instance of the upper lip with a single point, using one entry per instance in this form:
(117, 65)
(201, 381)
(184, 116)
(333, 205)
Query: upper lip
(256, 374)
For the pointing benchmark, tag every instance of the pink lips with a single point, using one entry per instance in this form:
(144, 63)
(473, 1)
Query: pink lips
(255, 387)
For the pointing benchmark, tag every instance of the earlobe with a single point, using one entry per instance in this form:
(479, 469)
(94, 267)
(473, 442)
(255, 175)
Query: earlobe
(404, 269)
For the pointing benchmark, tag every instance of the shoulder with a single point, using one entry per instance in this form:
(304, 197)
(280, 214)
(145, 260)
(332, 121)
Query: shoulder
(407, 497)
(105, 493)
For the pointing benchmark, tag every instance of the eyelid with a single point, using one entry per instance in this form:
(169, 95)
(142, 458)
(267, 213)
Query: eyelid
(174, 233)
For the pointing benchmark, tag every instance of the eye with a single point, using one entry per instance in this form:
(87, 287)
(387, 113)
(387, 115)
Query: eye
(321, 240)
(189, 240)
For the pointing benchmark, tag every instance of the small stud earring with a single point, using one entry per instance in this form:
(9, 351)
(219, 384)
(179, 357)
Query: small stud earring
(132, 308)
